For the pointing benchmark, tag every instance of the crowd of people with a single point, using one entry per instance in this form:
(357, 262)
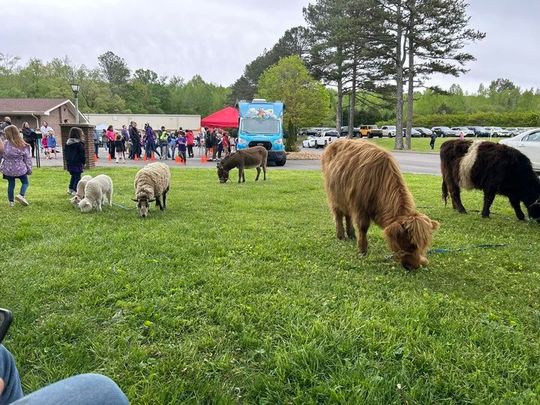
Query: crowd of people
(131, 143)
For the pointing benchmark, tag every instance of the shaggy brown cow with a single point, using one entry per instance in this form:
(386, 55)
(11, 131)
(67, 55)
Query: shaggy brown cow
(363, 183)
(493, 168)
(254, 157)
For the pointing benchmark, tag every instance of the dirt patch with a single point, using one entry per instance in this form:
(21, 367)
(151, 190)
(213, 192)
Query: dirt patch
(303, 156)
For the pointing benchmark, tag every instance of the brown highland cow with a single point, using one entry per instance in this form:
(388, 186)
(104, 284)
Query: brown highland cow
(363, 183)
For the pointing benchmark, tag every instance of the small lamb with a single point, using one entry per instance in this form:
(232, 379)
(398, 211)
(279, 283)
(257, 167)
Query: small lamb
(79, 195)
(151, 183)
(98, 191)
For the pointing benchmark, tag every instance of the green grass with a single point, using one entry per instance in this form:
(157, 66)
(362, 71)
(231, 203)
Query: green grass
(241, 293)
(421, 144)
(417, 144)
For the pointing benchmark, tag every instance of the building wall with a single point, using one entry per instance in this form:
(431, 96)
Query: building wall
(170, 122)
(54, 120)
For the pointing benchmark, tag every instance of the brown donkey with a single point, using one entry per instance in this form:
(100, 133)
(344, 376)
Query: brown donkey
(250, 158)
(363, 183)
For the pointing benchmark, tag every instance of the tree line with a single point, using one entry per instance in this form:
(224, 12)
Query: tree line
(111, 87)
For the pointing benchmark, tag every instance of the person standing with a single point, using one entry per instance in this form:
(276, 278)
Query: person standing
(44, 129)
(208, 146)
(16, 163)
(75, 157)
(433, 138)
(215, 144)
(135, 138)
(29, 137)
(226, 142)
(172, 144)
(51, 143)
(190, 142)
(44, 146)
(111, 137)
(163, 143)
(120, 149)
(96, 144)
(150, 141)
(181, 141)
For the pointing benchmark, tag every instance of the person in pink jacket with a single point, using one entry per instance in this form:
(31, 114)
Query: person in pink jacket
(16, 163)
(111, 136)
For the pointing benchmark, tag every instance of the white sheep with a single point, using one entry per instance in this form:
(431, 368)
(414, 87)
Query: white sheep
(151, 183)
(98, 191)
(79, 195)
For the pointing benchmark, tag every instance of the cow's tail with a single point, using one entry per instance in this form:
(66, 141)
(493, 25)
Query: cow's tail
(444, 192)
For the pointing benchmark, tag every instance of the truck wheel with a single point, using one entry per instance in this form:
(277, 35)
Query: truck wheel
(281, 162)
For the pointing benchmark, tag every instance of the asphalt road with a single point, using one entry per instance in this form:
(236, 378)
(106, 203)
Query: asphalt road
(410, 162)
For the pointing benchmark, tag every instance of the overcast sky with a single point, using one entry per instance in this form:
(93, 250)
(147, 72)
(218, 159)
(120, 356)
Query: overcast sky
(217, 38)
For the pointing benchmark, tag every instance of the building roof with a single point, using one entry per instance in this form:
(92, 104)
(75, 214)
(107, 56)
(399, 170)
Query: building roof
(37, 106)
(30, 105)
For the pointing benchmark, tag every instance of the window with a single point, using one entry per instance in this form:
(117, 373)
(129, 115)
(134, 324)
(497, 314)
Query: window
(259, 126)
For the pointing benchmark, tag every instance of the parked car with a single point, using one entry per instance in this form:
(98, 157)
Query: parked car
(528, 143)
(414, 133)
(370, 131)
(389, 130)
(310, 142)
(497, 131)
(327, 137)
(513, 131)
(345, 131)
(443, 131)
(479, 131)
(424, 131)
(466, 131)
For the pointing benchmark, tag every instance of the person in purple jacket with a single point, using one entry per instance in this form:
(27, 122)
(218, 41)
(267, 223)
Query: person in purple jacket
(16, 163)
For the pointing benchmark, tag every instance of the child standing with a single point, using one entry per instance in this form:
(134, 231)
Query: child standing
(181, 141)
(51, 143)
(75, 158)
(16, 163)
(44, 145)
(120, 149)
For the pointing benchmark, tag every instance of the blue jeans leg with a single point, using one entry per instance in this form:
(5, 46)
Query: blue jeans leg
(9, 374)
(11, 189)
(24, 184)
(83, 389)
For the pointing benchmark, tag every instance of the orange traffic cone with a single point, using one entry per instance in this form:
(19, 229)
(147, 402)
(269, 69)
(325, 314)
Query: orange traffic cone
(152, 157)
(135, 158)
(96, 158)
(144, 157)
(204, 159)
(178, 159)
(109, 157)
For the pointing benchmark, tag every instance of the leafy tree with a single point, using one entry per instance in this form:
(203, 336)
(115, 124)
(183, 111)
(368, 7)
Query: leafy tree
(292, 42)
(114, 69)
(306, 100)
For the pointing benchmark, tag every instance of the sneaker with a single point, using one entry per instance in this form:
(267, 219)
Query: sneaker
(11, 204)
(71, 192)
(21, 199)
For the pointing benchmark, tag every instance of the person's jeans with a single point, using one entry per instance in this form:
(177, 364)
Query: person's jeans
(10, 376)
(83, 389)
(96, 149)
(11, 186)
(75, 178)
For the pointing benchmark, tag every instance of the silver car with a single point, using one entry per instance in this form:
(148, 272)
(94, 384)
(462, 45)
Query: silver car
(528, 143)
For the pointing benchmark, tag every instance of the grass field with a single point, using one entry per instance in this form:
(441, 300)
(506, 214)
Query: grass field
(417, 144)
(242, 294)
(421, 144)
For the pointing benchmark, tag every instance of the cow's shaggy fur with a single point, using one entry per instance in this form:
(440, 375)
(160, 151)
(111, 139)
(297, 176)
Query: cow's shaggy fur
(254, 157)
(152, 183)
(363, 184)
(492, 168)
(98, 191)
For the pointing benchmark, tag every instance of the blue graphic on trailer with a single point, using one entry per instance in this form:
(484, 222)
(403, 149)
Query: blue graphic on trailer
(261, 123)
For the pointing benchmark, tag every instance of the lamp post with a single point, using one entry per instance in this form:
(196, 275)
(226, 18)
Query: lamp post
(75, 88)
